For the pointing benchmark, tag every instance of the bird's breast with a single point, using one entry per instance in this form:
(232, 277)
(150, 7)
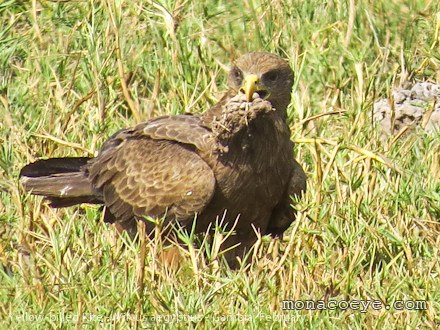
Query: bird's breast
(257, 163)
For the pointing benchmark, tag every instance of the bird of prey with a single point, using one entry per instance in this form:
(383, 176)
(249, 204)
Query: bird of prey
(234, 162)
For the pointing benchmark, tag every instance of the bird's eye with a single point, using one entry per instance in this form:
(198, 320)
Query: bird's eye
(270, 76)
(236, 74)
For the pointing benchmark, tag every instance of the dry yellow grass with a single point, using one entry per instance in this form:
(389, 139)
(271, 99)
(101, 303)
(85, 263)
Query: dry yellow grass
(72, 73)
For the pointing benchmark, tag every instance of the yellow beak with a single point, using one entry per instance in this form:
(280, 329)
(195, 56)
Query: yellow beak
(250, 86)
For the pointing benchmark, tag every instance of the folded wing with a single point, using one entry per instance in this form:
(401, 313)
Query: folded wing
(155, 170)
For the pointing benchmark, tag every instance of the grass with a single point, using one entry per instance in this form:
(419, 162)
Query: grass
(72, 73)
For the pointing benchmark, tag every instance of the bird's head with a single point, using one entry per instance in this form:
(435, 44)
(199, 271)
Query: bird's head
(264, 73)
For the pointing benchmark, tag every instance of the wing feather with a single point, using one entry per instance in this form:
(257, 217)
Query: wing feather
(186, 129)
(155, 170)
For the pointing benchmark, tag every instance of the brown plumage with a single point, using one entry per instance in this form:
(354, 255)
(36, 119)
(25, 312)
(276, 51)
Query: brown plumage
(233, 162)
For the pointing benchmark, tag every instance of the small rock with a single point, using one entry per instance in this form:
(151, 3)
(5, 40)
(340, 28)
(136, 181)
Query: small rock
(412, 106)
